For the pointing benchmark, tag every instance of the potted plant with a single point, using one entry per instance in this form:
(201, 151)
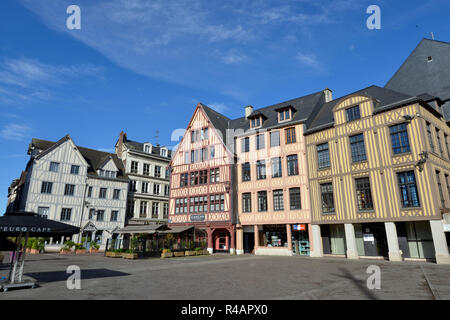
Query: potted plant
(178, 254)
(35, 247)
(67, 249)
(30, 244)
(198, 251)
(79, 249)
(114, 253)
(94, 247)
(166, 253)
(130, 254)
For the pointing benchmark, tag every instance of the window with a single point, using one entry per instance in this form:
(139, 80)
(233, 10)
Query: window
(276, 167)
(327, 198)
(133, 186)
(357, 148)
(143, 209)
(245, 144)
(446, 145)
(184, 177)
(165, 210)
(256, 122)
(439, 185)
(69, 190)
(246, 175)
(89, 194)
(247, 202)
(353, 113)
(204, 154)
(144, 187)
(114, 215)
(295, 199)
(91, 213)
(74, 169)
(194, 178)
(100, 215)
(203, 177)
(54, 166)
(156, 189)
(46, 187)
(66, 214)
(290, 136)
(217, 202)
(186, 158)
(292, 165)
(212, 152)
(44, 212)
(146, 169)
(399, 138)
(134, 166)
(438, 137)
(363, 194)
(214, 175)
(284, 115)
(448, 184)
(157, 171)
(430, 136)
(181, 205)
(408, 189)
(167, 176)
(260, 142)
(130, 208)
(260, 169)
(155, 210)
(278, 204)
(163, 152)
(274, 138)
(116, 194)
(262, 201)
(323, 156)
(166, 190)
(102, 193)
(147, 148)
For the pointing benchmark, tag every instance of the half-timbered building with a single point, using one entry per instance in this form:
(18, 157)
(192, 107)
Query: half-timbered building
(202, 181)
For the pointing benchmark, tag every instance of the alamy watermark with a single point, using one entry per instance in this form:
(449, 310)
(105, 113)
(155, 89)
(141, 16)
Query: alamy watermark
(74, 20)
(374, 21)
(374, 281)
(74, 280)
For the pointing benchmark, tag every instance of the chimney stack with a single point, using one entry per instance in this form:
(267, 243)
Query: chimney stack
(119, 147)
(248, 111)
(328, 95)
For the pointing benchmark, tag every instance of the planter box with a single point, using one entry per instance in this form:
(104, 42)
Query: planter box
(114, 254)
(130, 256)
(66, 252)
(35, 251)
(167, 255)
(94, 250)
(205, 251)
(82, 251)
(199, 252)
(178, 254)
(189, 253)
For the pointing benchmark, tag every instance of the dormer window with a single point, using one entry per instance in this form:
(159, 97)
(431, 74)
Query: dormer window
(147, 148)
(256, 122)
(163, 152)
(284, 115)
(353, 113)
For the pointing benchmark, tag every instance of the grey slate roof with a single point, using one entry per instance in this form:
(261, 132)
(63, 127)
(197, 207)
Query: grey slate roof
(94, 158)
(139, 147)
(417, 75)
(386, 100)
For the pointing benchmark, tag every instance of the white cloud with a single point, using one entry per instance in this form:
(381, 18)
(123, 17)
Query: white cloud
(219, 107)
(309, 60)
(16, 132)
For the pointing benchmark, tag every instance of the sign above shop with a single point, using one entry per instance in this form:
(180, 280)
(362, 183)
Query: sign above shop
(299, 227)
(197, 217)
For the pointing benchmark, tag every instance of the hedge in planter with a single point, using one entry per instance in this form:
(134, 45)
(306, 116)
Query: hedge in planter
(166, 253)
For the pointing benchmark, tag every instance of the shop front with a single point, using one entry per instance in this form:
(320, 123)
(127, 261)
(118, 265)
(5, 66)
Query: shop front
(300, 240)
(416, 240)
(333, 239)
(371, 240)
(273, 239)
(221, 239)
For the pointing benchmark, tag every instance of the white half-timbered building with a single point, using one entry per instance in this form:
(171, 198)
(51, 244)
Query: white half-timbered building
(75, 185)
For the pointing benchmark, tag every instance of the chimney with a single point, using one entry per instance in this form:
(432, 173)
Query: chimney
(248, 111)
(328, 95)
(119, 147)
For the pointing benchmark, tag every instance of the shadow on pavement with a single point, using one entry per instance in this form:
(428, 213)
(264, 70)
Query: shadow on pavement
(361, 285)
(53, 276)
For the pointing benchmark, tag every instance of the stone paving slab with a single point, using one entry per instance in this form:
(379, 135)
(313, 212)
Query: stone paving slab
(230, 278)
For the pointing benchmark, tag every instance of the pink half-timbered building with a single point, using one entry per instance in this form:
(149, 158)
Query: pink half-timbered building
(202, 180)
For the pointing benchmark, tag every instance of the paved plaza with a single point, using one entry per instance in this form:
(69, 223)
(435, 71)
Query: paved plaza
(229, 277)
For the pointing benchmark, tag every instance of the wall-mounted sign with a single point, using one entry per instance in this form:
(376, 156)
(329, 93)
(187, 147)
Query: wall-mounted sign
(368, 237)
(299, 227)
(197, 217)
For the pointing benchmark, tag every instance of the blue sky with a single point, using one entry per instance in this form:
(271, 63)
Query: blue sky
(141, 65)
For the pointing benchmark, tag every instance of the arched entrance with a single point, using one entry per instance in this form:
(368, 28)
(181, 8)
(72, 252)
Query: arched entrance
(221, 240)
